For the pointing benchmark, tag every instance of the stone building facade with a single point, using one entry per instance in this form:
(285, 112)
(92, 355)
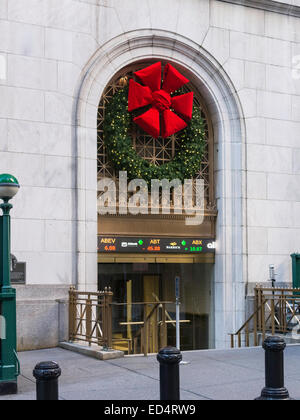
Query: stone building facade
(56, 58)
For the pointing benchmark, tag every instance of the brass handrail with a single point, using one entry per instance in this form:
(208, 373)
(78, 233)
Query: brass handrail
(246, 326)
(90, 320)
(248, 321)
(142, 303)
(276, 309)
(183, 321)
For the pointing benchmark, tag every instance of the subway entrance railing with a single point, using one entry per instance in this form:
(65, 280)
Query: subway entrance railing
(90, 317)
(276, 311)
(135, 328)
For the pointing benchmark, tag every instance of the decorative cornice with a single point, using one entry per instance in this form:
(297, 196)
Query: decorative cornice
(269, 5)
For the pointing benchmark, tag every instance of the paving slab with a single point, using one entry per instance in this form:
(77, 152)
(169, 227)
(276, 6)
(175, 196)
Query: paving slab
(210, 375)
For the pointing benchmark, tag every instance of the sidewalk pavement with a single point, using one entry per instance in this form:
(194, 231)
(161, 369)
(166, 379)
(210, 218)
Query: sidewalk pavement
(211, 374)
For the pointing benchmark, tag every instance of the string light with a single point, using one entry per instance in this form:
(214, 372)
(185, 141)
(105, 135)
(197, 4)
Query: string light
(117, 138)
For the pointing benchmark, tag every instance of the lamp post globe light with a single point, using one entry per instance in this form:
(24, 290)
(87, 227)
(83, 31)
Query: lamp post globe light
(9, 186)
(9, 364)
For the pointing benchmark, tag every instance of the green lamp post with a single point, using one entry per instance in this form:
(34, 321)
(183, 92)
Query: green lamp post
(9, 364)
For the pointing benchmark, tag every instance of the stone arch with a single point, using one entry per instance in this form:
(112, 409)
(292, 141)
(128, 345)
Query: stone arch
(229, 132)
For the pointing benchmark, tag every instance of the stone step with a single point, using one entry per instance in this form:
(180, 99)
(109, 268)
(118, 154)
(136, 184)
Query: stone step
(92, 351)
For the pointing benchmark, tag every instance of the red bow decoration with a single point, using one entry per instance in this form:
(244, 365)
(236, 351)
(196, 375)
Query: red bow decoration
(161, 101)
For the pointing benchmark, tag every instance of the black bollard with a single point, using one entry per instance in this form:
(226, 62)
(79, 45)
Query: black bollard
(47, 374)
(169, 359)
(274, 389)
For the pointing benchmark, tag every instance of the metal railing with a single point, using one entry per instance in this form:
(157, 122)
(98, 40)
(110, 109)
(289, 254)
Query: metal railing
(276, 311)
(90, 317)
(136, 327)
(148, 331)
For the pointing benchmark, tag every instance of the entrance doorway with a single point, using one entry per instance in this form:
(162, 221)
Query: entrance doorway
(137, 284)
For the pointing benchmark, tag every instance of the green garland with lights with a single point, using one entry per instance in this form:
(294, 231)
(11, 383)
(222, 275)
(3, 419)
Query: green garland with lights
(117, 139)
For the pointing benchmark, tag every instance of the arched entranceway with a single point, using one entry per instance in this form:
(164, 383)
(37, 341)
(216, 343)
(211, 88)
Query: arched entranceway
(170, 248)
(229, 136)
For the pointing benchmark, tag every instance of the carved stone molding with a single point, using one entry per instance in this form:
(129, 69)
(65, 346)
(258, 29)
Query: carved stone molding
(269, 5)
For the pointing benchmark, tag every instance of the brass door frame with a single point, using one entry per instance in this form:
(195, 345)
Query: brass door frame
(208, 258)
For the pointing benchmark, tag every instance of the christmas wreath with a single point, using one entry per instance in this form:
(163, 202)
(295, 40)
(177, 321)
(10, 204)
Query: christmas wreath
(157, 120)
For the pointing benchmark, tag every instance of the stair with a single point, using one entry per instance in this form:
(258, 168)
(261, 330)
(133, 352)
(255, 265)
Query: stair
(277, 312)
(120, 343)
(289, 338)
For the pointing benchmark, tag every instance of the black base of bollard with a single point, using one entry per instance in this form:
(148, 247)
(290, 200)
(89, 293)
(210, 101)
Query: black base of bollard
(169, 359)
(8, 388)
(274, 394)
(274, 371)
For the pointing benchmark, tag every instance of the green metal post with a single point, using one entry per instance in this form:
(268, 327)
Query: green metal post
(296, 270)
(8, 343)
